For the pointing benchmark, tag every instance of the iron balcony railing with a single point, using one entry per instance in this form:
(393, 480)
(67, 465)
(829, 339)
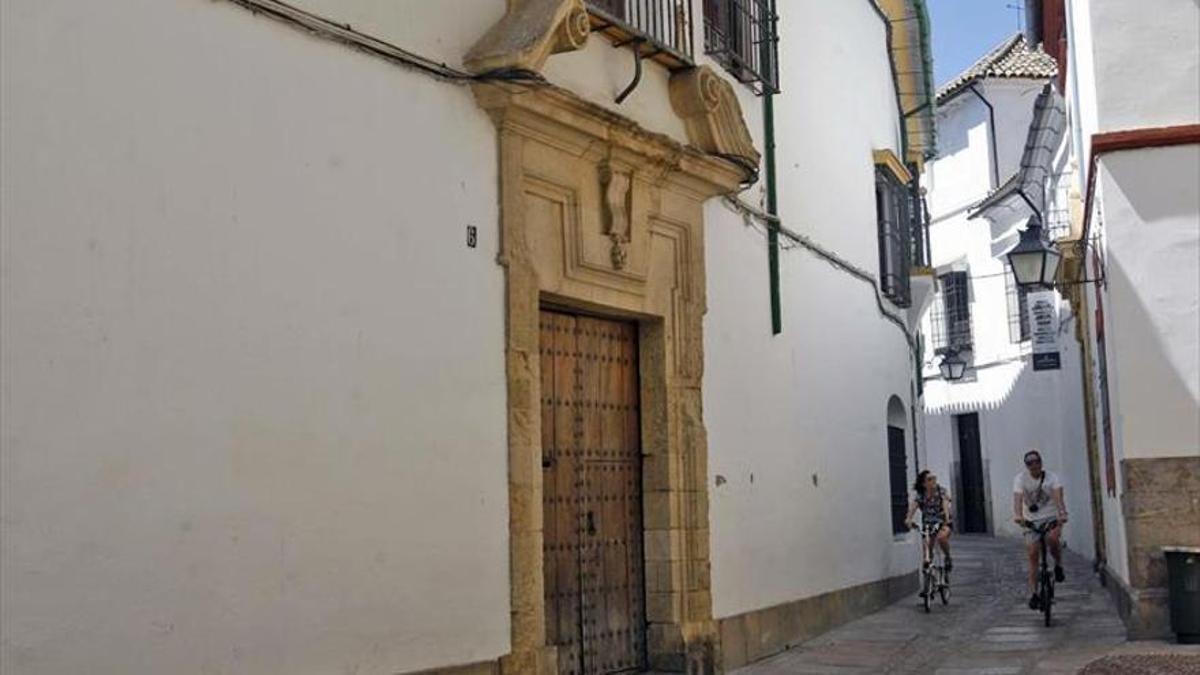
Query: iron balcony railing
(741, 35)
(658, 29)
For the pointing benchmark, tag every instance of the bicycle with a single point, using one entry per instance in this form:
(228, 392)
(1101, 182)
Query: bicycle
(934, 577)
(1045, 578)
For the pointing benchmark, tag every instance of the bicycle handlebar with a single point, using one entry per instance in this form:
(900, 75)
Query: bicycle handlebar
(1040, 528)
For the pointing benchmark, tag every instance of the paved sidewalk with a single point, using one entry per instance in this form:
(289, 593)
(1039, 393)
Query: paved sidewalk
(987, 629)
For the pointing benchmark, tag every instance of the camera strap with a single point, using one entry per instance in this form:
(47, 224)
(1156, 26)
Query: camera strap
(1037, 496)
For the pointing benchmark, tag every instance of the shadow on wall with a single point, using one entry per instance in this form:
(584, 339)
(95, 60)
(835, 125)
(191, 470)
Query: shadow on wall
(1155, 400)
(1155, 297)
(953, 138)
(1153, 196)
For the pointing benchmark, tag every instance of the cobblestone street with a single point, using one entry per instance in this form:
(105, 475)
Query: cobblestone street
(986, 629)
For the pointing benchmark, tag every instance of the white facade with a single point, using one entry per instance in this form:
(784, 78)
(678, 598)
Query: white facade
(797, 421)
(1017, 408)
(1137, 67)
(253, 414)
(246, 352)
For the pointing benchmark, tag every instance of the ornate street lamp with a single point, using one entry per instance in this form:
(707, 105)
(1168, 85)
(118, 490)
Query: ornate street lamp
(953, 367)
(1034, 262)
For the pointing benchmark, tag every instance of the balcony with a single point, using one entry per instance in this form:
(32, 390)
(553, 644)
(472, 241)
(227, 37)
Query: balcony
(660, 30)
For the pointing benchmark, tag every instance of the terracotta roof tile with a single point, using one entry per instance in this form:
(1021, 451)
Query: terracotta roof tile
(1012, 58)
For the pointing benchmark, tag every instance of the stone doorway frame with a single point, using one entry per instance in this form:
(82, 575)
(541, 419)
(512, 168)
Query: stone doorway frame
(602, 217)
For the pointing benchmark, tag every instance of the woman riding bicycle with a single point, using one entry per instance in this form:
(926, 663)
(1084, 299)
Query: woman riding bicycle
(934, 503)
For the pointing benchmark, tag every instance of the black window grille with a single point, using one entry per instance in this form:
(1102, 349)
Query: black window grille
(898, 477)
(1018, 303)
(741, 35)
(893, 204)
(919, 219)
(1058, 210)
(661, 29)
(950, 318)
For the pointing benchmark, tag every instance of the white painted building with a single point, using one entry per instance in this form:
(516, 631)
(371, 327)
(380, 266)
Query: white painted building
(271, 285)
(1132, 86)
(979, 427)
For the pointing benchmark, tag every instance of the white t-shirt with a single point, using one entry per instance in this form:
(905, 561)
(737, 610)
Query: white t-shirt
(1037, 491)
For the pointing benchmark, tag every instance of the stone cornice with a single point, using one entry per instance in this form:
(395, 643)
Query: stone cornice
(581, 127)
(892, 162)
(531, 30)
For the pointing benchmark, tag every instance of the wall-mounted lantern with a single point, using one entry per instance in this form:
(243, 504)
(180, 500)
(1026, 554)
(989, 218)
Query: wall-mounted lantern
(1034, 261)
(953, 367)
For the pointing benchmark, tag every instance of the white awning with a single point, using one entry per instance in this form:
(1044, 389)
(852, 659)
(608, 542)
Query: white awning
(991, 387)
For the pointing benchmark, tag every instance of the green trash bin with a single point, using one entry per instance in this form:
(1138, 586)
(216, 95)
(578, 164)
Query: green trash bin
(1183, 572)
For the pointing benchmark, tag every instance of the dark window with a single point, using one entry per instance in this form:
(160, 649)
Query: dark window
(950, 318)
(893, 209)
(1018, 304)
(740, 34)
(898, 474)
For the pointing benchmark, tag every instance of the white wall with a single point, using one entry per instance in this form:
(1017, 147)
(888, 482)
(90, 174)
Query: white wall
(1147, 62)
(962, 174)
(796, 422)
(253, 396)
(1152, 227)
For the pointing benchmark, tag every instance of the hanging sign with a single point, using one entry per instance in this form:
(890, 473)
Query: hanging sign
(1043, 329)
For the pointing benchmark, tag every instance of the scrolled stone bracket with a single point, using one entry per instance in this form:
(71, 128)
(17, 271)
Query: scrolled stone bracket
(712, 116)
(528, 34)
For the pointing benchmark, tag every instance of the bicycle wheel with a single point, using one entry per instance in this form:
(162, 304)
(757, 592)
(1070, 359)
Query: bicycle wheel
(927, 586)
(1047, 593)
(944, 588)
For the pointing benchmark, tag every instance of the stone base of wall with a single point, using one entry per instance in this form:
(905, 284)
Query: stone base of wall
(752, 636)
(1145, 612)
(481, 668)
(1161, 506)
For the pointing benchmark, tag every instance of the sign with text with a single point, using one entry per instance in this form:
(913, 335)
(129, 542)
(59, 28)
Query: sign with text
(1043, 329)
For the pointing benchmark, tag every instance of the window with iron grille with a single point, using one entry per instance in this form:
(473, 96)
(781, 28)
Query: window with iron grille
(1058, 208)
(1018, 303)
(950, 318)
(893, 204)
(659, 29)
(740, 34)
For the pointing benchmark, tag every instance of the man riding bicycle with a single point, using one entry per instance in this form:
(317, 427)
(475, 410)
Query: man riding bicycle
(1038, 500)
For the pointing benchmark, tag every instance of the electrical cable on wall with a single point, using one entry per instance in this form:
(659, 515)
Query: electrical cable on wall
(346, 34)
(793, 240)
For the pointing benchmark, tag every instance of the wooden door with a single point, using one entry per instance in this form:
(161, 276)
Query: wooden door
(592, 494)
(974, 510)
(898, 474)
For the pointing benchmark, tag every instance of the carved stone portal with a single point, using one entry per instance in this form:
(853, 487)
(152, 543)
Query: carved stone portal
(602, 216)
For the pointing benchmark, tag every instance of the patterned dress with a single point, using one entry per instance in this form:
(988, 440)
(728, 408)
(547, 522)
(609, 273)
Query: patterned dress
(932, 506)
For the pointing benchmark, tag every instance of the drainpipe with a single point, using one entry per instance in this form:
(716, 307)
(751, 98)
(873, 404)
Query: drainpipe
(772, 195)
(1082, 333)
(991, 133)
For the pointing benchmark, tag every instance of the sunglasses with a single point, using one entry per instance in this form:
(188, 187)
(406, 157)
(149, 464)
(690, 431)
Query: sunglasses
(1031, 462)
